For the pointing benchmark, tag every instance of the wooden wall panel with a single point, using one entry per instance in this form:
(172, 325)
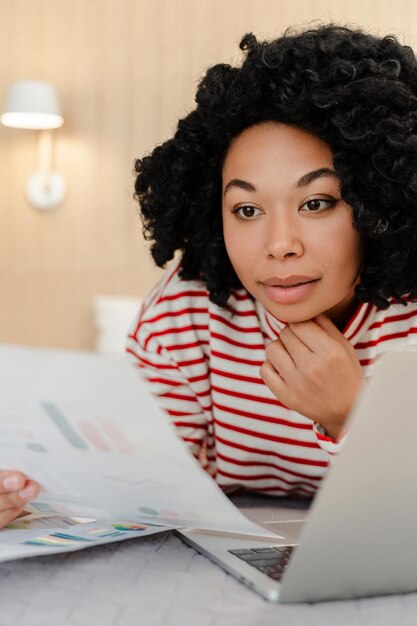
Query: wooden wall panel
(126, 70)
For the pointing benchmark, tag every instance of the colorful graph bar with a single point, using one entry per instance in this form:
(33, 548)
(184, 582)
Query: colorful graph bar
(62, 423)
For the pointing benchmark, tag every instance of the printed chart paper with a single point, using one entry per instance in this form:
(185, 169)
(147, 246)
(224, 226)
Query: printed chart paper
(86, 427)
(51, 535)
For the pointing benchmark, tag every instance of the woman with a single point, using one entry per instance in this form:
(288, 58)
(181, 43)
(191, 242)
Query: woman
(289, 196)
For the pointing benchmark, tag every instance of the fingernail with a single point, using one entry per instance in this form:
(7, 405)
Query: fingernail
(12, 482)
(27, 492)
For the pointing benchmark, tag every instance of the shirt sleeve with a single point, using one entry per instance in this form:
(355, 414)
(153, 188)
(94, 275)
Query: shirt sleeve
(183, 403)
(327, 443)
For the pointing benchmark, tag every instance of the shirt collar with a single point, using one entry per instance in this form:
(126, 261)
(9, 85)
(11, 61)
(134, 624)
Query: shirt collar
(271, 326)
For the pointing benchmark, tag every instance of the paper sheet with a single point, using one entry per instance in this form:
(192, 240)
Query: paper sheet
(87, 428)
(51, 535)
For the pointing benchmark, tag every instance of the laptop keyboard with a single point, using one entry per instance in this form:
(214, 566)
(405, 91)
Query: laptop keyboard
(271, 561)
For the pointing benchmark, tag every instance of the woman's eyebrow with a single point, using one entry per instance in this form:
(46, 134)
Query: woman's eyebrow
(305, 180)
(308, 178)
(240, 184)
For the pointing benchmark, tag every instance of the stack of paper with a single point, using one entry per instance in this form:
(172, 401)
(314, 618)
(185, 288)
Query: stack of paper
(86, 427)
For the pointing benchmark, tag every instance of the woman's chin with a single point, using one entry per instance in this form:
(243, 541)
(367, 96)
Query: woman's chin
(291, 318)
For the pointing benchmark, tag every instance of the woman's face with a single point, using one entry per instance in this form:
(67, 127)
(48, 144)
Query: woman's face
(288, 233)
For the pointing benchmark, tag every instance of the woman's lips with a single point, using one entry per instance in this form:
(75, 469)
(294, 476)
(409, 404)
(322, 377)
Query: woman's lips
(290, 295)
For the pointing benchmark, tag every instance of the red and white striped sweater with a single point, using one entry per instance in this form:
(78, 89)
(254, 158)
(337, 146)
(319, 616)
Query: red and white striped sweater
(203, 364)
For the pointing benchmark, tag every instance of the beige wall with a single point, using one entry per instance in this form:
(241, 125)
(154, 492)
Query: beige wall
(125, 70)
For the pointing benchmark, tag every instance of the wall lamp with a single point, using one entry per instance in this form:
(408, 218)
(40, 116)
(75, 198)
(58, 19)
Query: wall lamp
(33, 104)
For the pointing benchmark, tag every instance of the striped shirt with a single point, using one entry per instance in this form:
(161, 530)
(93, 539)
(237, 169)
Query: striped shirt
(203, 364)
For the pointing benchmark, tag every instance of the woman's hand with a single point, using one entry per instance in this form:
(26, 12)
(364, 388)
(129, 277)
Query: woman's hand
(313, 369)
(15, 491)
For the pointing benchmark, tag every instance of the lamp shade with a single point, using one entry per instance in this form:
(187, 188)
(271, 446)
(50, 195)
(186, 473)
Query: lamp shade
(32, 104)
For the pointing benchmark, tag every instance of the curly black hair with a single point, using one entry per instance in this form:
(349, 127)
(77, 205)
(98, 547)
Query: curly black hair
(355, 91)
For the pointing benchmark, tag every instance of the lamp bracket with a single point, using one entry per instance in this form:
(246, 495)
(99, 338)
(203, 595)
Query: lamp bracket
(45, 190)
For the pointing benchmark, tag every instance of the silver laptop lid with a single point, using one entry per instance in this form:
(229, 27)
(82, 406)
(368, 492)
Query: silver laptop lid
(361, 538)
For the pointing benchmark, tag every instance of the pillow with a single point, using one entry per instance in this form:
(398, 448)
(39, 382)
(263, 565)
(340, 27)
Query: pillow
(113, 317)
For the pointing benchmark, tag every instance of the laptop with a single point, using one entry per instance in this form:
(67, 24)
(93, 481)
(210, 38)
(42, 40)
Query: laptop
(360, 538)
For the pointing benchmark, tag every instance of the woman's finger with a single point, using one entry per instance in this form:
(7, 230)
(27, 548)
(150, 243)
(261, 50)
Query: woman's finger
(10, 480)
(296, 347)
(330, 328)
(280, 358)
(19, 498)
(9, 515)
(273, 379)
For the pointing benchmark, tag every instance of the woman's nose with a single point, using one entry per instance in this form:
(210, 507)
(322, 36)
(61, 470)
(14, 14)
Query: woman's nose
(283, 239)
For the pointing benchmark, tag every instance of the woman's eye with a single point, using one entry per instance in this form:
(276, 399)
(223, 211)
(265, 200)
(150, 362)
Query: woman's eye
(246, 212)
(317, 204)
